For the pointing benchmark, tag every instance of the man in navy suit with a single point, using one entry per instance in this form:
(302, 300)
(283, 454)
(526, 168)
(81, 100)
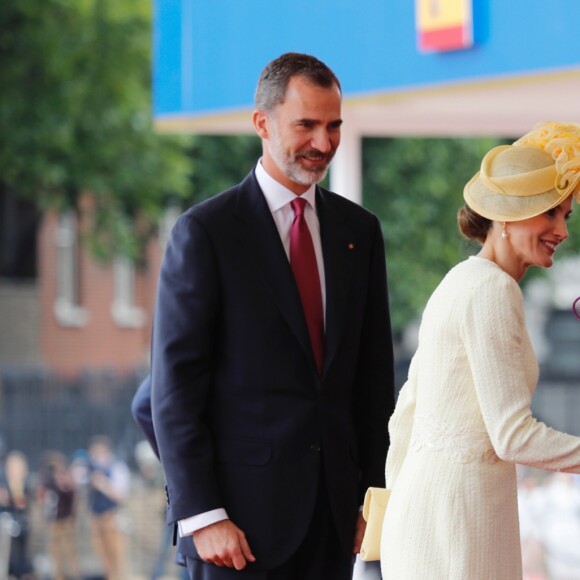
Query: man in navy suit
(268, 438)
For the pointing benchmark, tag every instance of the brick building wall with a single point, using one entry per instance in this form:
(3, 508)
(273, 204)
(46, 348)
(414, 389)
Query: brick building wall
(99, 341)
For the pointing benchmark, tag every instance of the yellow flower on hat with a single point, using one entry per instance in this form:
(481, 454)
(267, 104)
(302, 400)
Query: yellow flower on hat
(562, 142)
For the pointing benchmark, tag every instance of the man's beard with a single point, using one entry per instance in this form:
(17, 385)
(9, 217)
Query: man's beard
(291, 166)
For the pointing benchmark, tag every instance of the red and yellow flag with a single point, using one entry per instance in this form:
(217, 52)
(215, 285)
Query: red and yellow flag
(444, 24)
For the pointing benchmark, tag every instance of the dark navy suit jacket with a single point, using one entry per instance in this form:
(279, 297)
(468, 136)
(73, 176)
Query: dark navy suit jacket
(141, 411)
(241, 417)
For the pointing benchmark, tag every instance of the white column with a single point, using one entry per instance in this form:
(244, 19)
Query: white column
(346, 168)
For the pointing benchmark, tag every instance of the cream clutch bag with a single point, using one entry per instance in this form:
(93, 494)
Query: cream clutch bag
(375, 504)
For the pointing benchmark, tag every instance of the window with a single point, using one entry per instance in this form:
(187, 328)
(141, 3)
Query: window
(124, 311)
(166, 224)
(67, 307)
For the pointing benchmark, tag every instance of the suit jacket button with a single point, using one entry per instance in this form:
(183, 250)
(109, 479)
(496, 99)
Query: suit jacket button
(315, 448)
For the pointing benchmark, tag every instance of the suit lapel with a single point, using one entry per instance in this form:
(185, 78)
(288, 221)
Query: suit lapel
(338, 247)
(260, 238)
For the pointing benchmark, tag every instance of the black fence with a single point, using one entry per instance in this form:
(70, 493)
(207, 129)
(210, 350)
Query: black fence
(40, 411)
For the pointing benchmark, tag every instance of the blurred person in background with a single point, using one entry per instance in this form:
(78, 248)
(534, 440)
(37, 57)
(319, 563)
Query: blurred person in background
(109, 483)
(79, 468)
(58, 495)
(15, 499)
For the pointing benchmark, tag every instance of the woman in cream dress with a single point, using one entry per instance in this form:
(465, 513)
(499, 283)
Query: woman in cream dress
(463, 418)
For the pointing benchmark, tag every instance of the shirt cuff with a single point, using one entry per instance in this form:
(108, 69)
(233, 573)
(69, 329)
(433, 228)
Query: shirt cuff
(189, 525)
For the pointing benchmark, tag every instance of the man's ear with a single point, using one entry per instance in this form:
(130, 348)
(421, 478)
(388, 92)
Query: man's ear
(260, 120)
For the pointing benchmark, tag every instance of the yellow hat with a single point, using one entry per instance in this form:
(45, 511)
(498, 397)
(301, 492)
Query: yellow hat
(538, 172)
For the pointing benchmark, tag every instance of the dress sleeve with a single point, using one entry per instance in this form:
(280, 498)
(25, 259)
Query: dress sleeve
(504, 371)
(401, 426)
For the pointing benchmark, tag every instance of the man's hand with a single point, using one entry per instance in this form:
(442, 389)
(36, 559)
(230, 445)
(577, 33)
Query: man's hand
(361, 526)
(223, 544)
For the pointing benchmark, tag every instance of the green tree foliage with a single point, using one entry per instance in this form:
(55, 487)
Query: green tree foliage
(415, 186)
(75, 118)
(75, 115)
(218, 162)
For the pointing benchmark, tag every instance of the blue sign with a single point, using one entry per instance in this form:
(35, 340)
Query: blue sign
(208, 55)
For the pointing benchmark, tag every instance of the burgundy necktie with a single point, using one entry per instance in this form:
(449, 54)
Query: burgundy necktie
(303, 262)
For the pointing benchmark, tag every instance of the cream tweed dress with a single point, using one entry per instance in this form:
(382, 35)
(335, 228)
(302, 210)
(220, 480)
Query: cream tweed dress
(461, 423)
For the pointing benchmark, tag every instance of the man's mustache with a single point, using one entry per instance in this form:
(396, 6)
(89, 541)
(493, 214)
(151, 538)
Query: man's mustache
(314, 155)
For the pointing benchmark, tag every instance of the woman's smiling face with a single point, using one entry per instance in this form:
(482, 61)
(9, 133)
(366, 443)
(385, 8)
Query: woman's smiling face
(534, 241)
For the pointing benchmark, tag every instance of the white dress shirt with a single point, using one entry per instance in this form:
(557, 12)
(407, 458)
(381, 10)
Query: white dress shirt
(278, 199)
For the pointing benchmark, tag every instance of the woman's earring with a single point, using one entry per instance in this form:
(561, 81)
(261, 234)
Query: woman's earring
(504, 233)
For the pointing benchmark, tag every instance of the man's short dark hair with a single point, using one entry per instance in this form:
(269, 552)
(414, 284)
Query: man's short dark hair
(273, 83)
